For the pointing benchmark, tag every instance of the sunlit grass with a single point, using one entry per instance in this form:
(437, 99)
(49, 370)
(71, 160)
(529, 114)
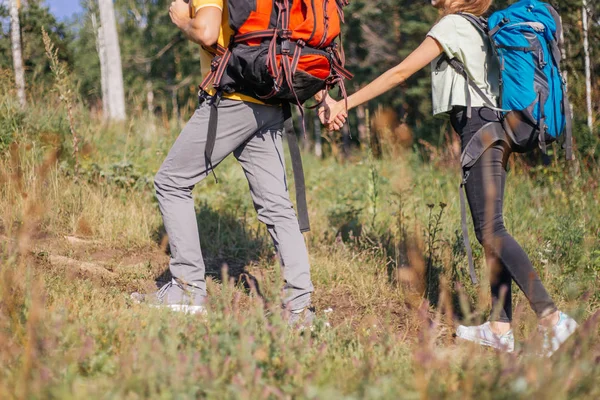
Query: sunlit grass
(71, 253)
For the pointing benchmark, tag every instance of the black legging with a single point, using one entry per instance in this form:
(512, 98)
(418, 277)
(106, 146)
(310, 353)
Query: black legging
(485, 194)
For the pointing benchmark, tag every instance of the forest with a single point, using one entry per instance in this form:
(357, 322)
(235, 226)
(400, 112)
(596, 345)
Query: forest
(161, 69)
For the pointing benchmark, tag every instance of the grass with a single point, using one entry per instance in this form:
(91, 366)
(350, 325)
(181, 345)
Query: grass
(71, 252)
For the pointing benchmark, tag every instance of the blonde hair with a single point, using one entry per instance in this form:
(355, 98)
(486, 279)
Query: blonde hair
(475, 7)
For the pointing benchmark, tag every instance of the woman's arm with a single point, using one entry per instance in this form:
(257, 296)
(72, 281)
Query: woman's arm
(418, 59)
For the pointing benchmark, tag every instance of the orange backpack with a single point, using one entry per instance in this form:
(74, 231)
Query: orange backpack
(281, 50)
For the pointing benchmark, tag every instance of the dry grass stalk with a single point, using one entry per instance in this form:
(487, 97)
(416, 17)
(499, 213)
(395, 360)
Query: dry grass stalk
(63, 85)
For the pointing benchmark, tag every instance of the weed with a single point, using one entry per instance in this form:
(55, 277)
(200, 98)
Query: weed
(374, 179)
(432, 237)
(63, 86)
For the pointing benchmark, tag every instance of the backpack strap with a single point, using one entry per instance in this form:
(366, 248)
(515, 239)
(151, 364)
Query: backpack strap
(478, 22)
(211, 136)
(490, 133)
(542, 124)
(459, 67)
(297, 169)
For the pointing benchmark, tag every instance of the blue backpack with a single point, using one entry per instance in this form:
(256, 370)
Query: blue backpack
(526, 38)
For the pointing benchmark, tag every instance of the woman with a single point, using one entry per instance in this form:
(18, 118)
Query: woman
(455, 37)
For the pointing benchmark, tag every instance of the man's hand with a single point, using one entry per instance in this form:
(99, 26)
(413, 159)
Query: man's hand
(179, 11)
(331, 115)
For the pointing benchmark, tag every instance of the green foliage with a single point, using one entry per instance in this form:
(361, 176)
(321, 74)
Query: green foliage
(378, 38)
(155, 56)
(37, 66)
(161, 68)
(122, 175)
(11, 116)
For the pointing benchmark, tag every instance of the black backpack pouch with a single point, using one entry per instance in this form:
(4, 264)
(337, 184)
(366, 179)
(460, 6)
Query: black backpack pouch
(523, 133)
(247, 73)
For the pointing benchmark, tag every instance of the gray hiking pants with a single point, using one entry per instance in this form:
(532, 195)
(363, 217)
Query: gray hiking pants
(253, 133)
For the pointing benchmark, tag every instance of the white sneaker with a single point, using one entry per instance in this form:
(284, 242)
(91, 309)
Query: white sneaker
(174, 297)
(554, 337)
(183, 308)
(304, 318)
(483, 335)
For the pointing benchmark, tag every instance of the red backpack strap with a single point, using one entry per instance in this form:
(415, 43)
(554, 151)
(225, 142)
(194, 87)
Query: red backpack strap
(218, 64)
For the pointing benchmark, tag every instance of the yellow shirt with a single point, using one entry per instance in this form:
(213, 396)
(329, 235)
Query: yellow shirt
(224, 36)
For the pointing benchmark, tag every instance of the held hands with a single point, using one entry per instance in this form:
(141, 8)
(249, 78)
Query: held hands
(179, 11)
(333, 113)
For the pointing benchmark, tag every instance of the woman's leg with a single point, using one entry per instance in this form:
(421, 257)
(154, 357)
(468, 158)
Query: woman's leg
(485, 193)
(507, 260)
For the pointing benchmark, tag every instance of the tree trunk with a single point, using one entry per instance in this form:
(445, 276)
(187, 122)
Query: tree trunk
(346, 140)
(15, 38)
(588, 68)
(100, 48)
(174, 105)
(363, 136)
(112, 59)
(149, 90)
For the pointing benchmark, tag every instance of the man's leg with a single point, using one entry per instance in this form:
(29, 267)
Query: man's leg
(183, 168)
(262, 159)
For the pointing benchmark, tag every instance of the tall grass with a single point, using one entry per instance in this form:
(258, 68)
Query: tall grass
(72, 251)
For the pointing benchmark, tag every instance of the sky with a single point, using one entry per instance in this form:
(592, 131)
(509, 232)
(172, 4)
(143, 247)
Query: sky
(63, 9)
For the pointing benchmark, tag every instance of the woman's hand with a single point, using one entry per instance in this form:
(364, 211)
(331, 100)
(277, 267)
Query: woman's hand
(337, 116)
(331, 114)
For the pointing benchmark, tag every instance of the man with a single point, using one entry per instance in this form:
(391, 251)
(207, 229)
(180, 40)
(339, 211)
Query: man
(252, 131)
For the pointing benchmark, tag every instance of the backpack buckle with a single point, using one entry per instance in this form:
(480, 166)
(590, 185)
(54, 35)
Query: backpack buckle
(285, 34)
(465, 177)
(286, 47)
(214, 65)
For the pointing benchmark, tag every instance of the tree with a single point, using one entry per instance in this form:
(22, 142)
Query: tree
(588, 68)
(15, 37)
(115, 109)
(101, 49)
(377, 38)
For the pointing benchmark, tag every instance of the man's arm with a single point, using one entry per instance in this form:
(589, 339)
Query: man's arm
(204, 28)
